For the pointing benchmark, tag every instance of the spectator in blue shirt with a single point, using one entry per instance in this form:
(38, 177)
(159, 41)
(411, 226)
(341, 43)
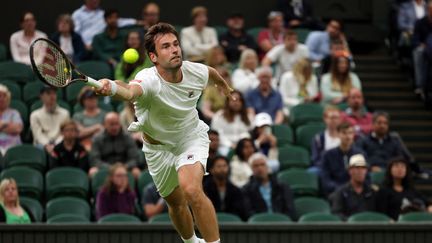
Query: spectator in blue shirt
(264, 98)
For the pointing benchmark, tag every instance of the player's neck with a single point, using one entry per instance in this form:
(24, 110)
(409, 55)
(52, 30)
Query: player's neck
(170, 75)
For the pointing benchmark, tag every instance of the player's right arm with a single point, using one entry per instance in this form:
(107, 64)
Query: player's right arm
(130, 92)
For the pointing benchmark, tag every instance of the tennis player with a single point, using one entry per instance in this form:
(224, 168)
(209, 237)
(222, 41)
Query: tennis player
(175, 141)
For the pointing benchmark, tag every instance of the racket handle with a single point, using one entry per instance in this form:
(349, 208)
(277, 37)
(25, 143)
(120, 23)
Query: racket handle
(93, 83)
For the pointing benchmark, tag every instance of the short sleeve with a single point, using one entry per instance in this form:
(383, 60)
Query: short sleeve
(148, 80)
(198, 70)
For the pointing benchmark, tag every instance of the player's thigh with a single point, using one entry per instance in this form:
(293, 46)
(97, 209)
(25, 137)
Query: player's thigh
(190, 178)
(176, 198)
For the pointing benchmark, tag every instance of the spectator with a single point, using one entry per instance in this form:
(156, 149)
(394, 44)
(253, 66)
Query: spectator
(397, 194)
(225, 197)
(236, 40)
(285, 55)
(380, 145)
(213, 97)
(153, 203)
(68, 40)
(265, 141)
(107, 46)
(240, 170)
(216, 58)
(198, 39)
(337, 49)
(45, 122)
(264, 193)
(326, 140)
(116, 195)
(318, 42)
(21, 40)
(409, 12)
(11, 124)
(214, 148)
(113, 145)
(127, 71)
(89, 21)
(11, 211)
(150, 16)
(299, 85)
(298, 14)
(357, 195)
(244, 78)
(232, 123)
(335, 161)
(90, 119)
(264, 98)
(69, 152)
(273, 35)
(356, 113)
(127, 116)
(336, 85)
(422, 31)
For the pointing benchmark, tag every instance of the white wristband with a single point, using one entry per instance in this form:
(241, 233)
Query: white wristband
(113, 88)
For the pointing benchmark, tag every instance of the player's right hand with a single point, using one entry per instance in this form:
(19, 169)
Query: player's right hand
(105, 90)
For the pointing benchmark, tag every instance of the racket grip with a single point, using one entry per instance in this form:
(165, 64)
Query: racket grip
(93, 83)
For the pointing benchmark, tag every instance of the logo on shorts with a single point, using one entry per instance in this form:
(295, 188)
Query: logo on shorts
(190, 157)
(191, 93)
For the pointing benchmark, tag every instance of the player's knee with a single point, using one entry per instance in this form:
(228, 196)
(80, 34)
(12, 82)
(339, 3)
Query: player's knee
(193, 193)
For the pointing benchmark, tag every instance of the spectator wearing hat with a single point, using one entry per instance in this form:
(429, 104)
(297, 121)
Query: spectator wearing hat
(236, 40)
(264, 193)
(273, 35)
(265, 141)
(335, 161)
(90, 119)
(11, 124)
(357, 195)
(264, 98)
(45, 122)
(198, 39)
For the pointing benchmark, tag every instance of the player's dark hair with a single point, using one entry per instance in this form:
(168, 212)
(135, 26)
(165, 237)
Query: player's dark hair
(155, 31)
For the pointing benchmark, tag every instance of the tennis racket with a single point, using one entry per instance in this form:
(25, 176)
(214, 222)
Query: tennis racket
(54, 68)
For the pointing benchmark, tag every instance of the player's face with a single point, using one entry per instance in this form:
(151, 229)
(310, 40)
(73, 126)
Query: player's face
(168, 52)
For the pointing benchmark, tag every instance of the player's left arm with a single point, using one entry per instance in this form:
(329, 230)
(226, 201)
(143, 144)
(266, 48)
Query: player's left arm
(219, 81)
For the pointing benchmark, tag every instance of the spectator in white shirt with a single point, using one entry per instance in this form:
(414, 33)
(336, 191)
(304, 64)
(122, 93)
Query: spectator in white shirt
(286, 54)
(299, 85)
(198, 39)
(21, 40)
(244, 78)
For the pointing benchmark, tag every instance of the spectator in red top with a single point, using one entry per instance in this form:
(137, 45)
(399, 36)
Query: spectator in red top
(356, 114)
(273, 35)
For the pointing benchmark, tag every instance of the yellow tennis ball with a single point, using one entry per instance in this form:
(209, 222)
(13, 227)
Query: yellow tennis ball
(130, 55)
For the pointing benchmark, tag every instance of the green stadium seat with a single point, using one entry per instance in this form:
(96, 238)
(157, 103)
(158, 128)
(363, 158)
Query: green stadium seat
(120, 218)
(66, 181)
(13, 88)
(67, 218)
(228, 218)
(283, 134)
(220, 29)
(21, 107)
(99, 178)
(305, 113)
(318, 217)
(96, 69)
(29, 181)
(162, 218)
(3, 52)
(413, 217)
(302, 34)
(178, 28)
(16, 71)
(305, 134)
(304, 205)
(38, 104)
(301, 182)
(254, 32)
(67, 205)
(72, 92)
(144, 180)
(25, 155)
(270, 218)
(34, 206)
(31, 92)
(293, 157)
(368, 217)
(377, 178)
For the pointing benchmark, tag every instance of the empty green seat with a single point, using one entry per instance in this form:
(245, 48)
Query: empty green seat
(304, 205)
(293, 157)
(13, 88)
(21, 107)
(318, 217)
(301, 182)
(144, 180)
(66, 181)
(31, 92)
(415, 217)
(302, 34)
(271, 218)
(220, 29)
(29, 181)
(377, 178)
(370, 217)
(67, 218)
(96, 69)
(119, 218)
(305, 113)
(162, 218)
(254, 32)
(72, 92)
(68, 205)
(99, 178)
(38, 104)
(19, 72)
(34, 206)
(25, 155)
(3, 52)
(228, 218)
(305, 134)
(283, 134)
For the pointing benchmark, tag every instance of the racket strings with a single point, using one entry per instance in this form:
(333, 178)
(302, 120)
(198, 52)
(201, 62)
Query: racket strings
(54, 68)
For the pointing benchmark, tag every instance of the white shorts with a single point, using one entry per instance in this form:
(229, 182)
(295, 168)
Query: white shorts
(163, 161)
